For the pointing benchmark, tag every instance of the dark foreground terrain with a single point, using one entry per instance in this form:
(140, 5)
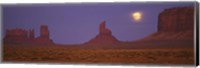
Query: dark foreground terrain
(79, 54)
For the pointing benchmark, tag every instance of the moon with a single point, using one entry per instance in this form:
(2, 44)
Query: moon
(137, 16)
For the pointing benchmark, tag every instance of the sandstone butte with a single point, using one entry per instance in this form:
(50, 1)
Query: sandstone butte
(22, 36)
(174, 24)
(104, 37)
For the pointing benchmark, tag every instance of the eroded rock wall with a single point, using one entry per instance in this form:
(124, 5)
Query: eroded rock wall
(175, 24)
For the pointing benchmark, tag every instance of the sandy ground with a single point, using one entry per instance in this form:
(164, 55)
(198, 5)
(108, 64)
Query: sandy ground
(67, 54)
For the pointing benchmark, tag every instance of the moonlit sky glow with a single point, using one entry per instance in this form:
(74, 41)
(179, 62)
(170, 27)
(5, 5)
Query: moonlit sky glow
(78, 23)
(137, 16)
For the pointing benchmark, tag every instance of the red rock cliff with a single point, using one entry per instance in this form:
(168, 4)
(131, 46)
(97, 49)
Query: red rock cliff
(175, 24)
(16, 35)
(22, 36)
(176, 19)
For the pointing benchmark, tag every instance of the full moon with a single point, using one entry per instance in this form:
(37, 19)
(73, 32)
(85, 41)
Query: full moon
(137, 16)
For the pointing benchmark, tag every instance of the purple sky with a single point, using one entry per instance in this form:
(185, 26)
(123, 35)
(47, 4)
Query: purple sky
(78, 23)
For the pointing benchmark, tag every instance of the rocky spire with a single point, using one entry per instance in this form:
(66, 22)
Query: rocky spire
(103, 30)
(44, 32)
(104, 36)
(44, 36)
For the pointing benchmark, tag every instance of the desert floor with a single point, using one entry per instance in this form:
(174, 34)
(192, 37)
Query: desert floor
(77, 54)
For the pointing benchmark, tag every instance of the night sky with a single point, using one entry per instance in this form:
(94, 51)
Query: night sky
(78, 23)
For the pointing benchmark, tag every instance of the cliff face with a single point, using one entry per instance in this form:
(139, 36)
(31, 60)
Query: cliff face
(104, 36)
(176, 19)
(175, 24)
(22, 36)
(18, 36)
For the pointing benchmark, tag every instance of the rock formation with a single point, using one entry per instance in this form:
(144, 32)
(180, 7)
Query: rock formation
(104, 36)
(16, 36)
(103, 30)
(176, 19)
(175, 24)
(32, 34)
(44, 32)
(22, 36)
(44, 36)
